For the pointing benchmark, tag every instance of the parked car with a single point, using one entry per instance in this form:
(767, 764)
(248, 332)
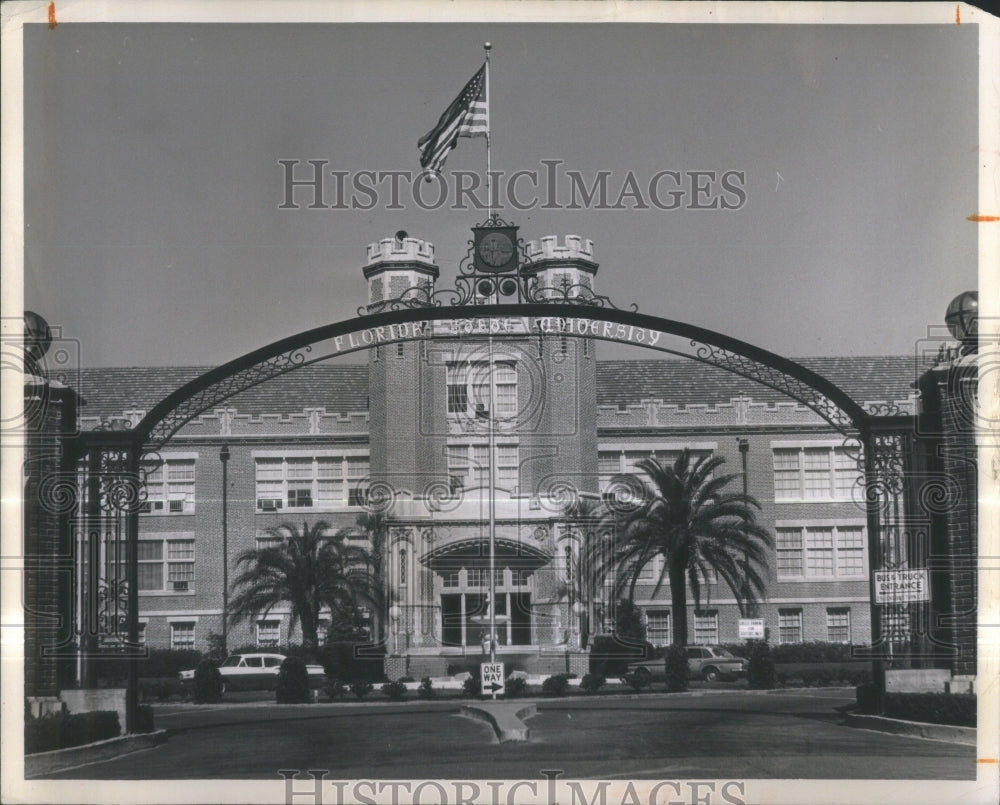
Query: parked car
(255, 672)
(712, 663)
(708, 662)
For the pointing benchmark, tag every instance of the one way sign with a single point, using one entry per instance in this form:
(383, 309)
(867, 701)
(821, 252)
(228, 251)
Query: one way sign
(492, 677)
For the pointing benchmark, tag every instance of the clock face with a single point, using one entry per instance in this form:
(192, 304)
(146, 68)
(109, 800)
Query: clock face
(495, 249)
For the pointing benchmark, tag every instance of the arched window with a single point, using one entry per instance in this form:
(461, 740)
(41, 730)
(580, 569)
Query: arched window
(402, 568)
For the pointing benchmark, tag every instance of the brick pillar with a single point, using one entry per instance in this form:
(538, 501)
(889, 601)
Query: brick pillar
(49, 491)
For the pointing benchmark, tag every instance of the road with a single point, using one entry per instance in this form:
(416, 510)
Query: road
(737, 735)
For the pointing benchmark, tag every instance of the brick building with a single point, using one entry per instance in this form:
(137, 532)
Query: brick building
(412, 421)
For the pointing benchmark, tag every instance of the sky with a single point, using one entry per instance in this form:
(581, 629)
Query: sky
(153, 228)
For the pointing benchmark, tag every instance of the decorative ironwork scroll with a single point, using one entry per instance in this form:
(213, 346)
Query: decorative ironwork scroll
(205, 398)
(779, 380)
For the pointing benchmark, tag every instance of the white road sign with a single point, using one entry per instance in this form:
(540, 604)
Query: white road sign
(901, 586)
(492, 676)
(751, 629)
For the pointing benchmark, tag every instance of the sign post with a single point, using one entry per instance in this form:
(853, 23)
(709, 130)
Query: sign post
(492, 678)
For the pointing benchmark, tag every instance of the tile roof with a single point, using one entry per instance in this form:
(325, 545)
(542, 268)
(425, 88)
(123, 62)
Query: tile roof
(344, 388)
(688, 382)
(340, 389)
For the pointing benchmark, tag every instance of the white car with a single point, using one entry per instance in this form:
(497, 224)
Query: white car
(255, 672)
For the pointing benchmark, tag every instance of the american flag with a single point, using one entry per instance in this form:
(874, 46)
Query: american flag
(468, 116)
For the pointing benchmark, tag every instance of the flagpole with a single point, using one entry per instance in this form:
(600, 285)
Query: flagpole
(492, 411)
(489, 124)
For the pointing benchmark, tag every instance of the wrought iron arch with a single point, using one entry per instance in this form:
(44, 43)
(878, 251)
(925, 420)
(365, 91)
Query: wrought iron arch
(111, 460)
(212, 388)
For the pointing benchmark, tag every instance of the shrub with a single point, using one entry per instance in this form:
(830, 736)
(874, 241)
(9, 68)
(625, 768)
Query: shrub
(335, 689)
(353, 661)
(812, 652)
(394, 690)
(207, 683)
(63, 730)
(822, 675)
(556, 685)
(760, 666)
(162, 688)
(591, 683)
(517, 686)
(934, 708)
(293, 682)
(675, 666)
(144, 719)
(867, 698)
(361, 688)
(473, 686)
(460, 668)
(407, 679)
(637, 682)
(426, 689)
(164, 662)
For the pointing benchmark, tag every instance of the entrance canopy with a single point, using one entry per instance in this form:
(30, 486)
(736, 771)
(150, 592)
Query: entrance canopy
(476, 553)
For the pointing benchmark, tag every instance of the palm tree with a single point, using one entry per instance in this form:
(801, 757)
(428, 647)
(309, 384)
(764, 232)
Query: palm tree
(308, 570)
(373, 525)
(690, 520)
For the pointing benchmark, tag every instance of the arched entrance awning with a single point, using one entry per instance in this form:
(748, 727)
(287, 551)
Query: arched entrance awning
(476, 553)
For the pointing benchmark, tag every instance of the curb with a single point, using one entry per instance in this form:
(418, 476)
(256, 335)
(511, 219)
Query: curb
(917, 729)
(506, 719)
(59, 759)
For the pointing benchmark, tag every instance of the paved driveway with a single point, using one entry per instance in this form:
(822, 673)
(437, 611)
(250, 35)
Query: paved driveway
(653, 736)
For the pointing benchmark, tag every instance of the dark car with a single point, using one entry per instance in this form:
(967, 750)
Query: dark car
(708, 662)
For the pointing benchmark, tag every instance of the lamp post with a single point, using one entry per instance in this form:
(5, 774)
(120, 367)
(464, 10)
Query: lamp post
(224, 455)
(578, 610)
(394, 617)
(744, 451)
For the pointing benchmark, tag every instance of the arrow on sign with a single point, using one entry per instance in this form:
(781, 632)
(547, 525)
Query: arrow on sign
(493, 687)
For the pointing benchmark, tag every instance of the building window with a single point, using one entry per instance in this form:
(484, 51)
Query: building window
(468, 466)
(399, 349)
(814, 473)
(838, 625)
(821, 552)
(658, 627)
(468, 389)
(268, 633)
(142, 634)
(180, 564)
(706, 628)
(789, 547)
(175, 574)
(789, 625)
(449, 578)
(299, 482)
(182, 635)
(402, 568)
(309, 482)
(618, 462)
(169, 487)
(519, 577)
(476, 577)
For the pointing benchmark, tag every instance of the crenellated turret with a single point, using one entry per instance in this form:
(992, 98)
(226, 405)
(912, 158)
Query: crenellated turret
(561, 270)
(399, 265)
